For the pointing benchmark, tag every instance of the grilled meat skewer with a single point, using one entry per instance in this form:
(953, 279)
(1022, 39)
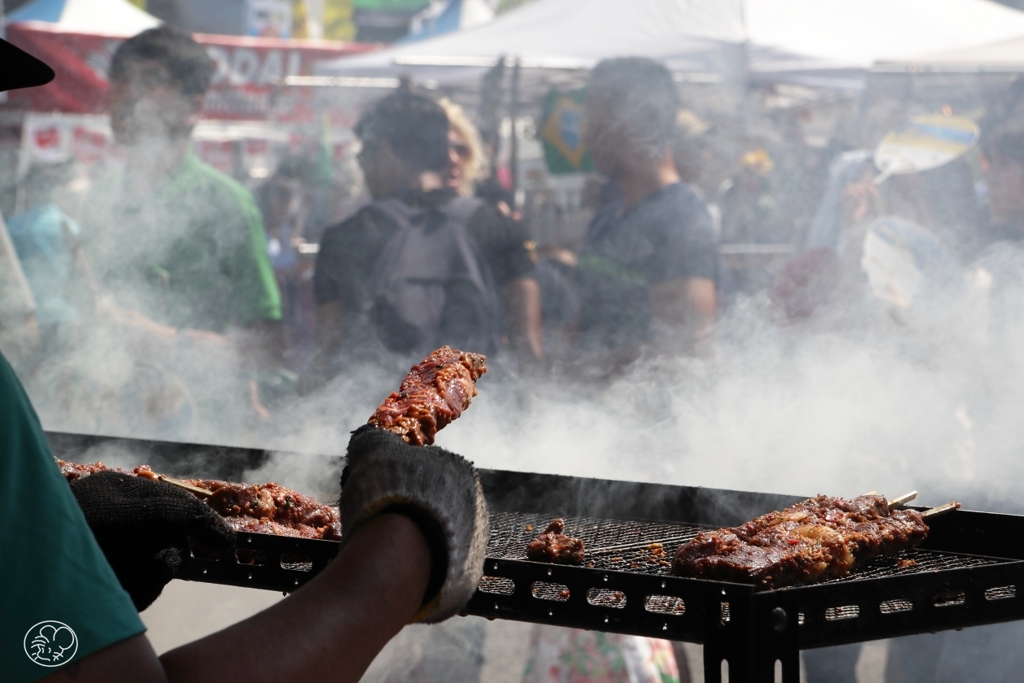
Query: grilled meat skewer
(258, 508)
(434, 393)
(817, 539)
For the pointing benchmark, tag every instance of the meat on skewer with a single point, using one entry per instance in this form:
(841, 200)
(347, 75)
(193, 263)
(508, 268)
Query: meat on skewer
(258, 508)
(817, 539)
(434, 393)
(554, 546)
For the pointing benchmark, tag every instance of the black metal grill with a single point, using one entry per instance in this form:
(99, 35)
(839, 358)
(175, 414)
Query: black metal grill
(969, 572)
(626, 545)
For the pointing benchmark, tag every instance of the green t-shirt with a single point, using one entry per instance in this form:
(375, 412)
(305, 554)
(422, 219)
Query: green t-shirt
(51, 569)
(191, 254)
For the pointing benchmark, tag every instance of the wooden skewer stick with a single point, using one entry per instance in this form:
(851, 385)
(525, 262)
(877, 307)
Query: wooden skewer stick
(870, 493)
(195, 490)
(941, 510)
(147, 473)
(900, 501)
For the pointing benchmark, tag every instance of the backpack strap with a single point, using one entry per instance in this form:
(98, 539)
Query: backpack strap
(461, 209)
(394, 211)
(458, 212)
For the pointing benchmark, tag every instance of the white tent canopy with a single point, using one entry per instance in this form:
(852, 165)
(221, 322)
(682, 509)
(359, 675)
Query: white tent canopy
(829, 43)
(104, 17)
(1004, 56)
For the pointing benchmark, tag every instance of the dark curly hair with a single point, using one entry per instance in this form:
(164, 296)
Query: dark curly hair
(184, 58)
(416, 127)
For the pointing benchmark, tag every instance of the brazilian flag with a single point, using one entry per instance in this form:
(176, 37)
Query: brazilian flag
(561, 132)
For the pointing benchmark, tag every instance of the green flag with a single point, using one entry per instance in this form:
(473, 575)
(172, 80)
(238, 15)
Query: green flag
(561, 132)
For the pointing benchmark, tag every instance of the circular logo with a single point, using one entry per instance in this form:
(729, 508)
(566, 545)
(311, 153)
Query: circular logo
(51, 643)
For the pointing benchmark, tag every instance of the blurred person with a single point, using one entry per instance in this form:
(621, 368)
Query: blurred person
(647, 271)
(282, 206)
(1004, 152)
(750, 211)
(468, 172)
(468, 175)
(689, 150)
(419, 266)
(645, 277)
(179, 244)
(751, 214)
(46, 240)
(19, 331)
(560, 302)
(877, 113)
(466, 151)
(942, 201)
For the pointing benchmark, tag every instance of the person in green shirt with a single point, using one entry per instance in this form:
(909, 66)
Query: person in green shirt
(179, 245)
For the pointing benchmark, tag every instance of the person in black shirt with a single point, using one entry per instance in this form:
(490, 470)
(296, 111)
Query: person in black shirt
(405, 152)
(648, 268)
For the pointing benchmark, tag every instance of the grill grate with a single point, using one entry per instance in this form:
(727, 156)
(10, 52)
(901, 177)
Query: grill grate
(952, 583)
(626, 546)
(610, 544)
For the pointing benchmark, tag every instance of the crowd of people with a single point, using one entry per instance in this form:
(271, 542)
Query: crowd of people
(210, 292)
(172, 290)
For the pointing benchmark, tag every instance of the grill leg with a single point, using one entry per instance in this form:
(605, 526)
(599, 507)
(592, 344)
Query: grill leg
(750, 635)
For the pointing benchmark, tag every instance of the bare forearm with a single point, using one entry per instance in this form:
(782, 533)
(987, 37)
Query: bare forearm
(523, 308)
(327, 336)
(263, 344)
(686, 307)
(333, 627)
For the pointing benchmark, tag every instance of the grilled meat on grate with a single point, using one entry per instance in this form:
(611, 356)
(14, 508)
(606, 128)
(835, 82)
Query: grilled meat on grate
(555, 546)
(817, 539)
(257, 508)
(434, 393)
(272, 506)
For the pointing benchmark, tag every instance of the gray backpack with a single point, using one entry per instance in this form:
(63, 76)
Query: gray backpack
(431, 285)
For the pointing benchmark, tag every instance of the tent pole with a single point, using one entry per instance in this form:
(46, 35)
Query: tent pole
(514, 139)
(490, 111)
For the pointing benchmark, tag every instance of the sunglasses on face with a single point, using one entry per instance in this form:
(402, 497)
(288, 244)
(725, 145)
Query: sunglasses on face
(461, 150)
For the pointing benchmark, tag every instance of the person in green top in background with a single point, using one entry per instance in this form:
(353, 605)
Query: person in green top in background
(179, 245)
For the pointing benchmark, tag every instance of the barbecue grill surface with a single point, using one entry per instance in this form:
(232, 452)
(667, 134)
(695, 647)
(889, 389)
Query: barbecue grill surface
(970, 570)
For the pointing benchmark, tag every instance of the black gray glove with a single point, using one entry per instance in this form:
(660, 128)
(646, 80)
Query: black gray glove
(143, 527)
(436, 488)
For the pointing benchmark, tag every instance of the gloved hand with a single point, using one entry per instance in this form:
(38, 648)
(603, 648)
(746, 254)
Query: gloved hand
(440, 491)
(143, 527)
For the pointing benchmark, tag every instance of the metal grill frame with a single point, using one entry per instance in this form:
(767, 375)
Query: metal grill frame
(762, 627)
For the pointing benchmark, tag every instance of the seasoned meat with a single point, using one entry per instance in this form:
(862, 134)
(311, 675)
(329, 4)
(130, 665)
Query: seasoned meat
(818, 539)
(252, 525)
(273, 503)
(258, 508)
(433, 394)
(554, 546)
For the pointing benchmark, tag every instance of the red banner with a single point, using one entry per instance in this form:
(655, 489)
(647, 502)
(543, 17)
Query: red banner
(246, 84)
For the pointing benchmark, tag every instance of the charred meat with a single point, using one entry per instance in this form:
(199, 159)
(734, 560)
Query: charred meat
(433, 394)
(258, 508)
(554, 546)
(273, 503)
(820, 538)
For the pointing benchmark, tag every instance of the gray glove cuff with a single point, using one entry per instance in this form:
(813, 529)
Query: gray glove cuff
(440, 491)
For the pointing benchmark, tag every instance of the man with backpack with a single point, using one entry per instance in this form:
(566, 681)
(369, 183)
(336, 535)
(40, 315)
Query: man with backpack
(419, 266)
